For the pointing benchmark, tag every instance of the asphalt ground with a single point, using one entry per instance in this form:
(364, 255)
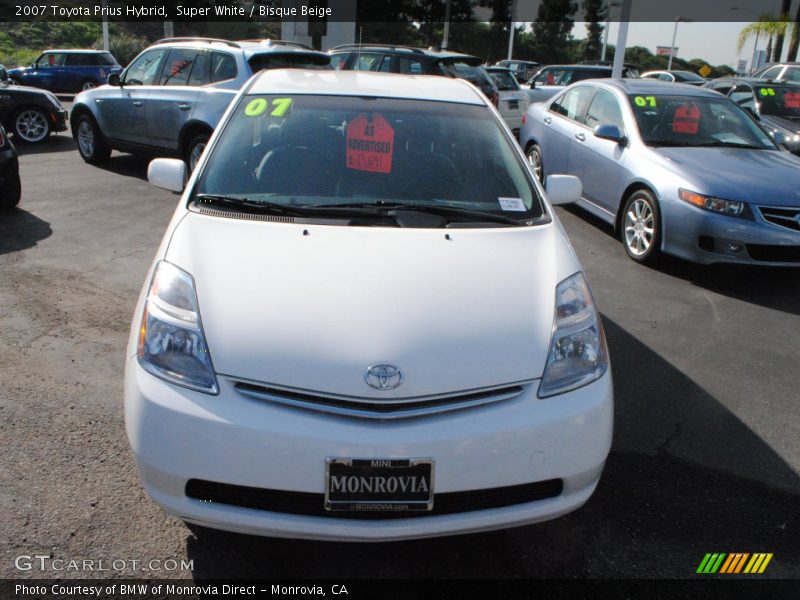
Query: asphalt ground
(706, 450)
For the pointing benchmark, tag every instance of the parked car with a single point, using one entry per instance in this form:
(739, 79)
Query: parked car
(523, 70)
(775, 105)
(171, 97)
(789, 71)
(414, 61)
(675, 77)
(513, 101)
(29, 113)
(554, 78)
(10, 186)
(67, 71)
(674, 168)
(360, 191)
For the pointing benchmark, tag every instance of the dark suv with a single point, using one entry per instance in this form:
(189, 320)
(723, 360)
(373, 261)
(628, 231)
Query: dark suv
(410, 60)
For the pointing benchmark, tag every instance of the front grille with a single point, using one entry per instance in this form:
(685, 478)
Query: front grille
(371, 408)
(788, 217)
(774, 253)
(313, 505)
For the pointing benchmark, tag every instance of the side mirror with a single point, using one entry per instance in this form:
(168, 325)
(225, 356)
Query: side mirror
(167, 173)
(113, 79)
(563, 189)
(608, 132)
(779, 138)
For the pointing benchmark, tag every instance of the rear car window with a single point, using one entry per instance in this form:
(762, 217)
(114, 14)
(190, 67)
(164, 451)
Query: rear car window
(333, 149)
(289, 60)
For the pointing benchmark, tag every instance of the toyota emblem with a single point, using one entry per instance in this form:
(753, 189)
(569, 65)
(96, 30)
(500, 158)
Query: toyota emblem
(383, 377)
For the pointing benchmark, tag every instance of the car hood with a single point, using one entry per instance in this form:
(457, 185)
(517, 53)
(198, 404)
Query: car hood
(756, 176)
(313, 311)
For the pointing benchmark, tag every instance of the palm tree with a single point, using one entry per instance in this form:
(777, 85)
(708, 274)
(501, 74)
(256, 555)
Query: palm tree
(786, 6)
(795, 41)
(770, 29)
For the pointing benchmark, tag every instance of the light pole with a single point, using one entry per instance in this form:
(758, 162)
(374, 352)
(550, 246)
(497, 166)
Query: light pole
(608, 24)
(511, 31)
(446, 25)
(755, 46)
(675, 35)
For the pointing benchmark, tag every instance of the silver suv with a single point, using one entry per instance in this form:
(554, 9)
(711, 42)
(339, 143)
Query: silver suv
(171, 97)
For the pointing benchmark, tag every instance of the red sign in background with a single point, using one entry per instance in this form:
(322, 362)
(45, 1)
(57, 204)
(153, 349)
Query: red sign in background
(370, 144)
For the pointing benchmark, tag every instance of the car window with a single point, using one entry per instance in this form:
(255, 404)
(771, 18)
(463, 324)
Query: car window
(387, 64)
(80, 60)
(722, 87)
(281, 60)
(792, 74)
(339, 60)
(201, 71)
(665, 77)
(743, 96)
(178, 66)
(604, 110)
(145, 69)
(651, 76)
(779, 100)
(367, 61)
(106, 58)
(504, 81)
(582, 74)
(697, 121)
(367, 150)
(771, 73)
(410, 66)
(223, 67)
(51, 59)
(573, 104)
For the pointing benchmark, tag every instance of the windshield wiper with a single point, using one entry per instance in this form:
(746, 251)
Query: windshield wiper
(246, 203)
(720, 144)
(444, 211)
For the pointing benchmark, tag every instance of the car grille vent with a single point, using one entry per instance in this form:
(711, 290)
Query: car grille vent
(313, 505)
(235, 214)
(371, 408)
(787, 254)
(788, 217)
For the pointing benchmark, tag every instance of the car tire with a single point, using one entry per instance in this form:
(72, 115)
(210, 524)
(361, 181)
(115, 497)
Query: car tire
(92, 146)
(11, 195)
(534, 156)
(86, 84)
(640, 227)
(31, 125)
(194, 150)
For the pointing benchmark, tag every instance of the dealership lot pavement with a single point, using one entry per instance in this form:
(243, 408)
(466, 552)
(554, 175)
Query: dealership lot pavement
(706, 454)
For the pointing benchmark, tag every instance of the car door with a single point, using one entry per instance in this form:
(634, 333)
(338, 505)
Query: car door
(121, 110)
(169, 105)
(561, 126)
(597, 161)
(46, 71)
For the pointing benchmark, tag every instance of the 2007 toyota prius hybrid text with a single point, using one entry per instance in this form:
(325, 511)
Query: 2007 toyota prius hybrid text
(365, 322)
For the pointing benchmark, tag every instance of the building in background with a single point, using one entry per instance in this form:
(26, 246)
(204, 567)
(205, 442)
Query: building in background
(320, 34)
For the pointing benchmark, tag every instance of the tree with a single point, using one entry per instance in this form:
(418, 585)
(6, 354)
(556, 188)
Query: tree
(552, 30)
(770, 29)
(786, 6)
(594, 13)
(795, 41)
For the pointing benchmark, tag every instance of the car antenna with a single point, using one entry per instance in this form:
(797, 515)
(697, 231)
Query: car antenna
(360, 39)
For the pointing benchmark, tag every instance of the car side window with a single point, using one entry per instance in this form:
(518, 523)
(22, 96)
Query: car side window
(51, 59)
(178, 66)
(722, 88)
(223, 67)
(604, 110)
(386, 64)
(367, 61)
(665, 77)
(410, 66)
(573, 104)
(200, 74)
(145, 69)
(339, 60)
(771, 73)
(792, 74)
(743, 96)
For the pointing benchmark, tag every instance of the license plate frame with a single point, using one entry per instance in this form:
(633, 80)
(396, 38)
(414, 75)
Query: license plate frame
(513, 104)
(411, 499)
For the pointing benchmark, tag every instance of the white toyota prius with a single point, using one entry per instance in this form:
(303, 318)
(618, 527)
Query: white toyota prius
(365, 322)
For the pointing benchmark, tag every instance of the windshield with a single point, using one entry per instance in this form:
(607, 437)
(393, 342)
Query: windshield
(305, 150)
(474, 73)
(687, 76)
(666, 120)
(504, 81)
(779, 100)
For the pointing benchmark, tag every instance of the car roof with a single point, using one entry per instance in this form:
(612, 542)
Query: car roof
(250, 47)
(586, 67)
(365, 83)
(77, 51)
(654, 86)
(757, 81)
(432, 52)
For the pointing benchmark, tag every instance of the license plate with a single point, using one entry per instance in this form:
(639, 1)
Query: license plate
(378, 484)
(513, 104)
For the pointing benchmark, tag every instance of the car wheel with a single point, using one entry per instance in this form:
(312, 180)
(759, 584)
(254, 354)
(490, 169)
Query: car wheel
(91, 145)
(641, 227)
(195, 150)
(31, 125)
(10, 196)
(87, 84)
(534, 154)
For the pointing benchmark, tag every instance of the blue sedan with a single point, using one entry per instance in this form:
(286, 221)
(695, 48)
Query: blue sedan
(674, 168)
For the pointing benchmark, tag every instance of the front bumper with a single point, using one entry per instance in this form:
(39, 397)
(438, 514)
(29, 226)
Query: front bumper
(706, 238)
(9, 174)
(179, 435)
(58, 119)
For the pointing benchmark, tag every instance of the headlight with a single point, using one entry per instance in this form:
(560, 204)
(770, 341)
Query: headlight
(718, 205)
(172, 345)
(578, 353)
(53, 100)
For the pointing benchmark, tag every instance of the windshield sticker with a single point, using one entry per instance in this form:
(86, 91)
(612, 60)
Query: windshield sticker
(643, 101)
(370, 144)
(767, 91)
(514, 204)
(257, 107)
(281, 105)
(791, 99)
(687, 119)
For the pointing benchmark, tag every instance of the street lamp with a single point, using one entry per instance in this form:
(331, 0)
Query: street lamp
(755, 46)
(675, 35)
(608, 24)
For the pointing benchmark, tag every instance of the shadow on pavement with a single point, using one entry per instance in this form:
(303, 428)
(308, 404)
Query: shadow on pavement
(128, 165)
(61, 142)
(777, 288)
(656, 511)
(19, 230)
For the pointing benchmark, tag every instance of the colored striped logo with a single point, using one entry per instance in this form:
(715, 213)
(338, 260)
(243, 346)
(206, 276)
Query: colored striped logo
(735, 562)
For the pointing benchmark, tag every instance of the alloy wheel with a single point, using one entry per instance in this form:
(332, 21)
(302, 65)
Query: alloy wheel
(639, 227)
(31, 126)
(86, 138)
